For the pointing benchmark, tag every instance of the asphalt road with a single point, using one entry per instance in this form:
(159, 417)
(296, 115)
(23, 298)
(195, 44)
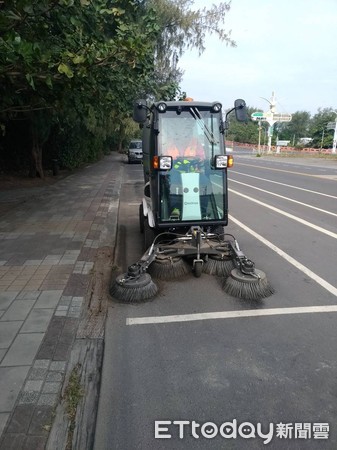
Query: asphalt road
(274, 364)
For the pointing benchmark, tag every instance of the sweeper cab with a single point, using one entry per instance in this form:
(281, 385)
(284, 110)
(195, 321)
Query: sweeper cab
(185, 202)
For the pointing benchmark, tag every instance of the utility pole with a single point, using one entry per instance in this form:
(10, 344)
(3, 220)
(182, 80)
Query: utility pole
(335, 138)
(333, 126)
(271, 117)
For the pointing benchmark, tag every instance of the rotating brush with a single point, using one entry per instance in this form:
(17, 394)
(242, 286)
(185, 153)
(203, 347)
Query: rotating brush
(136, 289)
(248, 287)
(216, 265)
(168, 268)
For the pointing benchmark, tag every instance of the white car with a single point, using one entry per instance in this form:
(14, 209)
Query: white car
(135, 151)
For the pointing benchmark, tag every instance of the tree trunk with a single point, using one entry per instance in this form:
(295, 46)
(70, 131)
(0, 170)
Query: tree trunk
(36, 157)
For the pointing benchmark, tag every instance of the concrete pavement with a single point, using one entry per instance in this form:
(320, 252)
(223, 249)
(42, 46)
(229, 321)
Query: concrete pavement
(49, 243)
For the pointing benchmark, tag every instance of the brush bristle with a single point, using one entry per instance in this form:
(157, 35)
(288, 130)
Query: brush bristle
(168, 268)
(247, 287)
(218, 267)
(133, 290)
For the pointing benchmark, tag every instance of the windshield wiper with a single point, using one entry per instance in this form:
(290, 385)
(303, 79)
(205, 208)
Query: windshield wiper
(197, 116)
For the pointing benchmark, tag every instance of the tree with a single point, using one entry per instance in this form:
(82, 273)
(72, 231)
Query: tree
(78, 60)
(318, 128)
(182, 28)
(245, 133)
(297, 128)
(71, 69)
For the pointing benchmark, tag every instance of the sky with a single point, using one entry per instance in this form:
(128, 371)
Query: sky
(288, 47)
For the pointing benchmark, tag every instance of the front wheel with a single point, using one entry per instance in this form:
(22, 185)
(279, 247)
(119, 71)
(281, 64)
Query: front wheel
(197, 268)
(141, 218)
(149, 234)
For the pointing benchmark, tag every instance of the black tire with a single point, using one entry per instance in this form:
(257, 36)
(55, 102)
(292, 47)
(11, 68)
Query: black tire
(141, 218)
(197, 269)
(149, 234)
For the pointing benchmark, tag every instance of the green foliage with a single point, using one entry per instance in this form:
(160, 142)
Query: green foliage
(296, 129)
(81, 60)
(71, 69)
(243, 132)
(318, 128)
(302, 125)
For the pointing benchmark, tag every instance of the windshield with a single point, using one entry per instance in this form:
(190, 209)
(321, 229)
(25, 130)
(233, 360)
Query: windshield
(192, 190)
(180, 131)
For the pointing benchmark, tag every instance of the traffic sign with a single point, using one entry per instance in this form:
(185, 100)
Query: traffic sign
(331, 126)
(282, 117)
(258, 116)
(282, 143)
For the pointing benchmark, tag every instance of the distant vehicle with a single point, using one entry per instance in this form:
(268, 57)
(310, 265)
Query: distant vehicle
(135, 151)
(229, 150)
(305, 140)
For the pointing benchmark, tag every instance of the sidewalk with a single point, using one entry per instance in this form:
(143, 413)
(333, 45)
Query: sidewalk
(49, 244)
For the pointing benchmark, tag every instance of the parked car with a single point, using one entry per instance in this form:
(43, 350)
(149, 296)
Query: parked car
(135, 152)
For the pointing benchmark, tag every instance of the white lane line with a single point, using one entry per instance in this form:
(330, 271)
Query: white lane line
(230, 314)
(285, 198)
(250, 313)
(283, 170)
(329, 287)
(291, 216)
(284, 184)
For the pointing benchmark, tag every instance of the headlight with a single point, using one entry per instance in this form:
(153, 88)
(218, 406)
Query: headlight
(220, 161)
(162, 162)
(216, 107)
(165, 162)
(161, 107)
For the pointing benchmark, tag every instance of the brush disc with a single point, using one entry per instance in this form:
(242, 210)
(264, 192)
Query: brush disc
(164, 268)
(215, 265)
(246, 286)
(133, 290)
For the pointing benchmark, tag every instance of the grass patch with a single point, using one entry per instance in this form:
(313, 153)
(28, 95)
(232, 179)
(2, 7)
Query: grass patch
(72, 396)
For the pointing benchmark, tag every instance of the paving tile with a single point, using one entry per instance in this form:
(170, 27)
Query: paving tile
(42, 417)
(20, 420)
(3, 421)
(37, 374)
(2, 353)
(13, 441)
(6, 298)
(58, 366)
(29, 397)
(18, 310)
(41, 364)
(48, 400)
(54, 376)
(8, 331)
(77, 285)
(11, 382)
(29, 295)
(35, 443)
(33, 386)
(51, 388)
(23, 350)
(37, 321)
(48, 299)
(54, 331)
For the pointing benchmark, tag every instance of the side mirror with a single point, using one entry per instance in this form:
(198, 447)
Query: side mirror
(140, 111)
(240, 110)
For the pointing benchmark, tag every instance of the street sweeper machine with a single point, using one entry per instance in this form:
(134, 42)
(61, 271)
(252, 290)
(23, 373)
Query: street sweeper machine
(185, 202)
